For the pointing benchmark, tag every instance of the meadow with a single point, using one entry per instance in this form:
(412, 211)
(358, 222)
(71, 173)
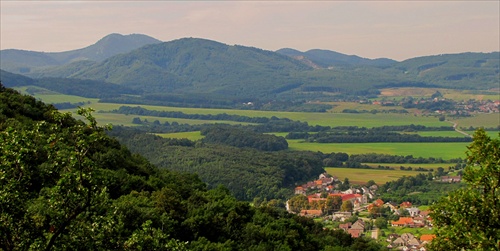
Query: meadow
(361, 176)
(442, 150)
(457, 95)
(445, 151)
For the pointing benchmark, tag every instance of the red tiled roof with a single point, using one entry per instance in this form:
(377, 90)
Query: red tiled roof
(427, 237)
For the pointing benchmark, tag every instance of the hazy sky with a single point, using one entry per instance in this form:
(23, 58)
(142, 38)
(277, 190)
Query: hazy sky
(372, 29)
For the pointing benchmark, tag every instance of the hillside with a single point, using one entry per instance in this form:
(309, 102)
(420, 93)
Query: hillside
(199, 67)
(203, 73)
(65, 185)
(29, 62)
(326, 59)
(476, 71)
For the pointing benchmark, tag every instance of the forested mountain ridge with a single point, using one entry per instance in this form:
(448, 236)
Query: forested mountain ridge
(24, 62)
(65, 185)
(204, 73)
(327, 58)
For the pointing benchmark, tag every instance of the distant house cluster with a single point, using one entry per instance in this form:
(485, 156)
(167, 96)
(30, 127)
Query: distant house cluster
(408, 242)
(329, 184)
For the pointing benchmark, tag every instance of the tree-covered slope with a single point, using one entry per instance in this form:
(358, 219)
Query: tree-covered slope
(327, 58)
(475, 71)
(31, 62)
(198, 66)
(66, 185)
(248, 173)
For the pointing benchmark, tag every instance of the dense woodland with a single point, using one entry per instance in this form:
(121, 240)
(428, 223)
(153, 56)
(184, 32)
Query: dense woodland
(65, 185)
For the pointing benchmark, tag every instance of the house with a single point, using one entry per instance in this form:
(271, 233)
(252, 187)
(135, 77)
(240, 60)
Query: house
(427, 237)
(405, 204)
(451, 179)
(398, 242)
(407, 237)
(300, 190)
(311, 213)
(413, 211)
(355, 233)
(345, 226)
(359, 225)
(393, 206)
(378, 203)
(403, 222)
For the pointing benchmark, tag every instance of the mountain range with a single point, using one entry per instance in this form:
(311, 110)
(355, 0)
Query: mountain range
(194, 70)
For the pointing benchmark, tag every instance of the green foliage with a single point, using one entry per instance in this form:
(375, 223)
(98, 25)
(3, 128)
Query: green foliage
(66, 185)
(469, 218)
(243, 138)
(247, 173)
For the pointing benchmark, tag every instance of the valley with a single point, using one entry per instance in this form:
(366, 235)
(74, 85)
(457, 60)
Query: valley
(200, 127)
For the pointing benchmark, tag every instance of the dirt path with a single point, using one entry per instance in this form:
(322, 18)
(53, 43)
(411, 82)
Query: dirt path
(455, 126)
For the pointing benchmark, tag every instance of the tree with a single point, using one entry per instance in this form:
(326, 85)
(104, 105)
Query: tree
(469, 218)
(332, 204)
(72, 193)
(347, 206)
(381, 222)
(298, 203)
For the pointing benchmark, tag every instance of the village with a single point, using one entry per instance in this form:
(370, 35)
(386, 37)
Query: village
(357, 211)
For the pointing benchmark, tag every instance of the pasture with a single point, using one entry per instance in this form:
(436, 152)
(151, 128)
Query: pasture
(182, 135)
(362, 176)
(445, 151)
(126, 120)
(489, 120)
(457, 95)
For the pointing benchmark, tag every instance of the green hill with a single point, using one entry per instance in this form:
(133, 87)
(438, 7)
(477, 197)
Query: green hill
(200, 72)
(31, 62)
(326, 58)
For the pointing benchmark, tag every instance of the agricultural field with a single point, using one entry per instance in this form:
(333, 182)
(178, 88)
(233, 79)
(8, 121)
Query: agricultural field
(51, 97)
(425, 150)
(457, 95)
(488, 120)
(445, 151)
(361, 176)
(182, 135)
(126, 120)
(442, 150)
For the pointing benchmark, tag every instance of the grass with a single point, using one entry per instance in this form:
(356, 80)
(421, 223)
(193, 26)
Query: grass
(362, 176)
(182, 135)
(457, 95)
(324, 119)
(126, 120)
(488, 120)
(425, 150)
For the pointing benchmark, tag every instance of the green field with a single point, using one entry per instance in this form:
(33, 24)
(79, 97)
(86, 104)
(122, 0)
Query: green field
(126, 120)
(490, 120)
(425, 150)
(324, 119)
(182, 135)
(361, 176)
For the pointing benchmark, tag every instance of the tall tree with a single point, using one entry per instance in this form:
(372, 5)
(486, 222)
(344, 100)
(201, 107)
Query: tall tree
(470, 217)
(347, 206)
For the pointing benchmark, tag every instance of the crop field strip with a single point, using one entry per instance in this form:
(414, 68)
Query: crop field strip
(437, 150)
(361, 176)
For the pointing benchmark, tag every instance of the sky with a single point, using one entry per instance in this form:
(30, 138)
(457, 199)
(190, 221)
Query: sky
(373, 29)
